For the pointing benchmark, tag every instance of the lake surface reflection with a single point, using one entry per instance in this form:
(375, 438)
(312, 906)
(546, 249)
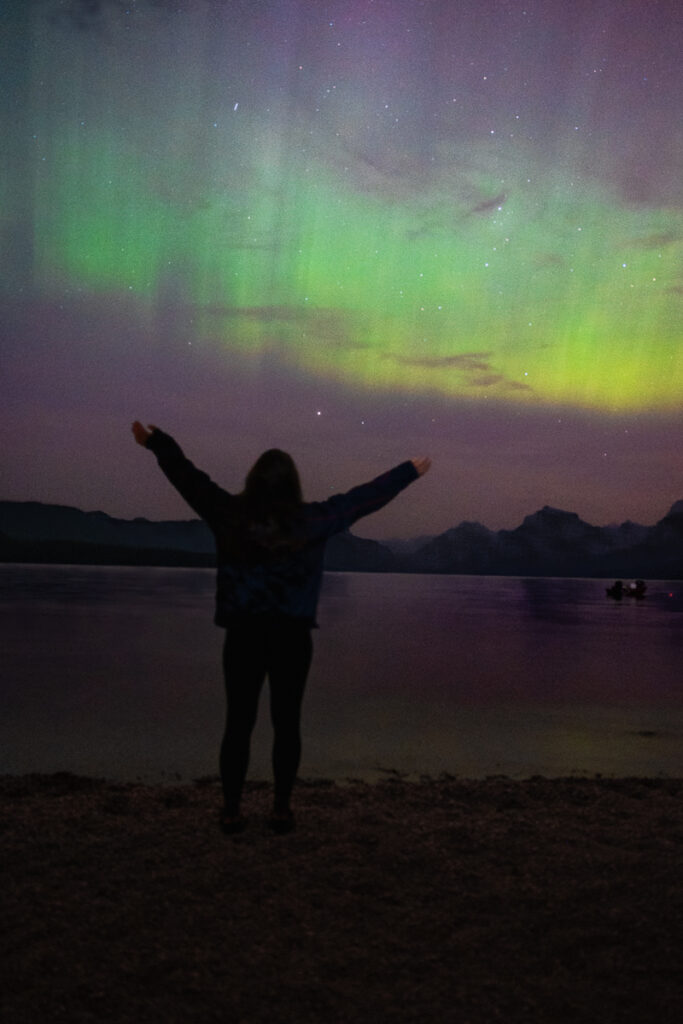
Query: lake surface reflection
(116, 672)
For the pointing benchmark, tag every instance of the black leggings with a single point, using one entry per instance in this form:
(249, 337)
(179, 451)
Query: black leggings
(254, 648)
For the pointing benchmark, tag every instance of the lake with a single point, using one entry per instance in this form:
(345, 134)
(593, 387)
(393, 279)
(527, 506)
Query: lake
(116, 672)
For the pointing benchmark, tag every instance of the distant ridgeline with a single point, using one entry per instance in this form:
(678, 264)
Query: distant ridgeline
(548, 543)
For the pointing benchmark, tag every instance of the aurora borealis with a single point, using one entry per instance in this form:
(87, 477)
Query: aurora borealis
(360, 230)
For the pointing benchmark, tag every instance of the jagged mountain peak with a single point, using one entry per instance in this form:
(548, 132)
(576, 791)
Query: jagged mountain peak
(469, 527)
(549, 513)
(550, 521)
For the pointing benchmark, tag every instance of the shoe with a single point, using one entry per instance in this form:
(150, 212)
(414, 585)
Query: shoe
(282, 823)
(231, 824)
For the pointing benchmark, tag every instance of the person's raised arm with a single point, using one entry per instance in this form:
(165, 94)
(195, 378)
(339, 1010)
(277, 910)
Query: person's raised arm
(196, 487)
(342, 510)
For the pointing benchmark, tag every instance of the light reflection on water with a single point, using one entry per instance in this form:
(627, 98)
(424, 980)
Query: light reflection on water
(116, 671)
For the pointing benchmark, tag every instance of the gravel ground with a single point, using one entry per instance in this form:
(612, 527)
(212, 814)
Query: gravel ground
(445, 900)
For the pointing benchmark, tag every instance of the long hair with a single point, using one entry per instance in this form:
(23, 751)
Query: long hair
(271, 501)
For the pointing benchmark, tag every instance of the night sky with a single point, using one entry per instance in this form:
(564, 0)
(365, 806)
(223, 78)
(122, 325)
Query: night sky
(360, 231)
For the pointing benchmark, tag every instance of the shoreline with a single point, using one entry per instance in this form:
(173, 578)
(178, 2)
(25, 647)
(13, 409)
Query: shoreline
(62, 779)
(512, 574)
(440, 899)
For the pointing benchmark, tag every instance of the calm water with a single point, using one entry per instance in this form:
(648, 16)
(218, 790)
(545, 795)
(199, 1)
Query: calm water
(116, 672)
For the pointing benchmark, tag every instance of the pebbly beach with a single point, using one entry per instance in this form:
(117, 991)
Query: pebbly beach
(445, 899)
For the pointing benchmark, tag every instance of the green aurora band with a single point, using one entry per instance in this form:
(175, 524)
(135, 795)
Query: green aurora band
(506, 278)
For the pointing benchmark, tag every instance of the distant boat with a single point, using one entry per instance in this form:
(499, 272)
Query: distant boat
(620, 589)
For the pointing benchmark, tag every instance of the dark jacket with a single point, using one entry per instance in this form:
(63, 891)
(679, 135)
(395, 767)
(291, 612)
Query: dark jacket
(275, 581)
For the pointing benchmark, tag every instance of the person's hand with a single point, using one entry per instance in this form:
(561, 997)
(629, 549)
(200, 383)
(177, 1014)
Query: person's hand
(422, 465)
(142, 434)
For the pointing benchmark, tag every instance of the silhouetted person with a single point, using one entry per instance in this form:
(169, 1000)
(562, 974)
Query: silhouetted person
(270, 546)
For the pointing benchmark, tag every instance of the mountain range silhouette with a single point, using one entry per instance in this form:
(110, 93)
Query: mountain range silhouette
(549, 542)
